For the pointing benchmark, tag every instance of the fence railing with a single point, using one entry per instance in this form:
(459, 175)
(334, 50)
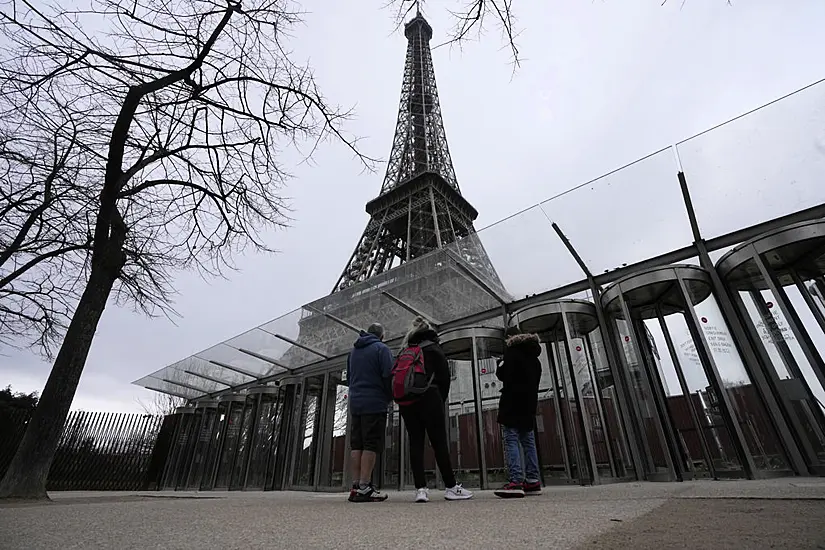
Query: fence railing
(97, 451)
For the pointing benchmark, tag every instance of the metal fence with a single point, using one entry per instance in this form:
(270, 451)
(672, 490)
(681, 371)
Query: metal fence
(97, 451)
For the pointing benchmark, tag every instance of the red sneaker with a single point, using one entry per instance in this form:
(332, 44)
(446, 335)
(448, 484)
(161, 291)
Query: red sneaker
(352, 491)
(533, 488)
(511, 490)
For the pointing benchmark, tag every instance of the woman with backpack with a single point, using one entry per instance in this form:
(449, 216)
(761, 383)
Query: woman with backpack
(426, 412)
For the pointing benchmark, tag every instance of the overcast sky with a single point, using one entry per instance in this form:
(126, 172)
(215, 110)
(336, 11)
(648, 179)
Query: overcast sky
(603, 83)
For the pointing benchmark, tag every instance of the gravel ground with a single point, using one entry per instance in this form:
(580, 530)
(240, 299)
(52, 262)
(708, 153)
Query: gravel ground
(721, 523)
(652, 515)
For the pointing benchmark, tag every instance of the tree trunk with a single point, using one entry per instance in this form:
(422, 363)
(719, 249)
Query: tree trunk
(27, 473)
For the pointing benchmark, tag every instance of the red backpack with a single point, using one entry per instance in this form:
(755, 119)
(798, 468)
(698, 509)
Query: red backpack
(409, 378)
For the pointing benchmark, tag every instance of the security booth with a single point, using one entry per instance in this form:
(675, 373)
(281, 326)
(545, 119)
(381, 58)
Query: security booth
(777, 282)
(268, 408)
(691, 396)
(475, 443)
(579, 428)
(206, 412)
(232, 431)
(177, 464)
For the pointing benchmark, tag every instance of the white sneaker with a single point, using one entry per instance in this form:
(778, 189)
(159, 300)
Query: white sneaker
(422, 495)
(457, 493)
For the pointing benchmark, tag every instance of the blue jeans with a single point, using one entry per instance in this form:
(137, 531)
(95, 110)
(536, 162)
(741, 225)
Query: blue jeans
(512, 438)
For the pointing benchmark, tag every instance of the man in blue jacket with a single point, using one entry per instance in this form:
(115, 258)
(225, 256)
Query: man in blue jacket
(369, 367)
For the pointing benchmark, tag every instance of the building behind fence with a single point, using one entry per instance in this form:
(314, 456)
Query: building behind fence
(97, 451)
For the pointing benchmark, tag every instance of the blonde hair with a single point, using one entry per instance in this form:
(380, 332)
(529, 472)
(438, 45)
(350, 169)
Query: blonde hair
(419, 324)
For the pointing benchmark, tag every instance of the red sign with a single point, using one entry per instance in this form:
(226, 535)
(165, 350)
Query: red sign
(578, 348)
(770, 305)
(704, 319)
(627, 338)
(483, 371)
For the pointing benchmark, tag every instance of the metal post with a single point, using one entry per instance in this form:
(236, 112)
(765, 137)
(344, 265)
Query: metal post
(560, 424)
(674, 357)
(583, 423)
(402, 452)
(613, 362)
(809, 300)
(746, 347)
(482, 455)
(293, 450)
(253, 436)
(597, 395)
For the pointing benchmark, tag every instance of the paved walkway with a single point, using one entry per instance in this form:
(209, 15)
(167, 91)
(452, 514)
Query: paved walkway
(784, 513)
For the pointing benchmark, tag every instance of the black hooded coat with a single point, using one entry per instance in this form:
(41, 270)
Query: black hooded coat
(520, 372)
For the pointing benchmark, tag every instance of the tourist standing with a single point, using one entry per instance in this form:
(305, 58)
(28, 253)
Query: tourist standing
(426, 412)
(520, 372)
(369, 367)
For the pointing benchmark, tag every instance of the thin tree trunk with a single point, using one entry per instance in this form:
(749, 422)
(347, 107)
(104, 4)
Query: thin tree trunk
(27, 473)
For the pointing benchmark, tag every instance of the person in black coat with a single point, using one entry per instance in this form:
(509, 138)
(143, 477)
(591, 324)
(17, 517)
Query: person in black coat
(427, 415)
(520, 372)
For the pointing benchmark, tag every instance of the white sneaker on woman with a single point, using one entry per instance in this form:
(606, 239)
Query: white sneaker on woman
(422, 495)
(457, 493)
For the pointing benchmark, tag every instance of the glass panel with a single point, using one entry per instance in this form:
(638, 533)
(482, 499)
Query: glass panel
(392, 449)
(607, 396)
(590, 405)
(264, 442)
(527, 254)
(308, 432)
(549, 436)
(754, 421)
(213, 449)
(642, 401)
(242, 453)
(490, 393)
(797, 385)
(462, 426)
(202, 449)
(768, 163)
(573, 435)
(619, 205)
(230, 444)
(335, 428)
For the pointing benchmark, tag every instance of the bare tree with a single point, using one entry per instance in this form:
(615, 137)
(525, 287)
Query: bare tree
(44, 221)
(166, 120)
(471, 21)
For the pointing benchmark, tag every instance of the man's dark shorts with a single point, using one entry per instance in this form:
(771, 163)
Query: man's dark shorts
(368, 432)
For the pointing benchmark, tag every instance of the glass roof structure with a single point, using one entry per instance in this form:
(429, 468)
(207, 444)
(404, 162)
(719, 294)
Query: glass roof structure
(768, 163)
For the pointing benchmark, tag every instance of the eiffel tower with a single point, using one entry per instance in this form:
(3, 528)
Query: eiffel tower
(419, 248)
(420, 207)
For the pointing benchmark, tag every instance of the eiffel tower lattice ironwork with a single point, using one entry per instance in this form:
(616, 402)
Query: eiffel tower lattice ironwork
(420, 207)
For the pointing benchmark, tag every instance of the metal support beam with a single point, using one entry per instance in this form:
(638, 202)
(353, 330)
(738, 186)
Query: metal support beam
(411, 309)
(302, 346)
(234, 368)
(263, 358)
(476, 279)
(572, 250)
(187, 386)
(169, 392)
(332, 317)
(207, 377)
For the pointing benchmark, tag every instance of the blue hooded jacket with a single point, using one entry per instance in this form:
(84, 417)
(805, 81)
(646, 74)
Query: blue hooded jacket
(369, 367)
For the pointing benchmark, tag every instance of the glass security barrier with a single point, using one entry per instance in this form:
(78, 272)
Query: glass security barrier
(777, 282)
(579, 427)
(692, 399)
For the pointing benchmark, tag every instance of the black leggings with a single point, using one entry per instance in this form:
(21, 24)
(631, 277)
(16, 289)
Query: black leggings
(427, 416)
